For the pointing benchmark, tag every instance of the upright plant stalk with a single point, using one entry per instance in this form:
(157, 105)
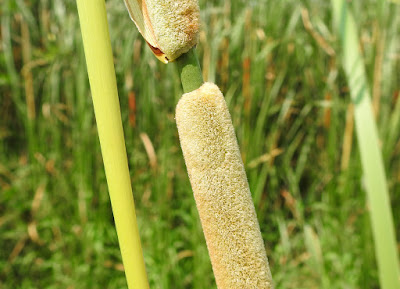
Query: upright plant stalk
(371, 157)
(96, 40)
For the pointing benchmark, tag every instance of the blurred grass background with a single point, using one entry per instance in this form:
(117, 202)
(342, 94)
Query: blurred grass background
(277, 64)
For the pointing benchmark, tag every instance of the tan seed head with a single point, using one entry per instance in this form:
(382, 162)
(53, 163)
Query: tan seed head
(221, 190)
(170, 27)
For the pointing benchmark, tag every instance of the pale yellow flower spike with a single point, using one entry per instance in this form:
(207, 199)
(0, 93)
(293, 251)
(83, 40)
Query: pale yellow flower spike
(170, 27)
(221, 190)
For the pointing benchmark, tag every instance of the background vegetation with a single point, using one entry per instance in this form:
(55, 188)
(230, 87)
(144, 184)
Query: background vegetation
(277, 64)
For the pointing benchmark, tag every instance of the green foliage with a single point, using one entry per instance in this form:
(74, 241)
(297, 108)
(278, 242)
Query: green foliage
(289, 101)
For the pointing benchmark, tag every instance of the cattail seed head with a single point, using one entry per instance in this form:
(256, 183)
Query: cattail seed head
(221, 190)
(170, 27)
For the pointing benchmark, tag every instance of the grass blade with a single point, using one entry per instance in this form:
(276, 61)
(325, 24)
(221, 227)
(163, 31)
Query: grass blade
(371, 157)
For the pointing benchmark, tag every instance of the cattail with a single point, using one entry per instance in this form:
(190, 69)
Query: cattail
(170, 27)
(221, 190)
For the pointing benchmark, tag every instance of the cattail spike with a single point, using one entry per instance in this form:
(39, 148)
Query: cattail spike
(170, 27)
(221, 190)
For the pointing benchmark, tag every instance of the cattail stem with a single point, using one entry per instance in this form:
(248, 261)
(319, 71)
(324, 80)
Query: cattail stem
(99, 60)
(190, 71)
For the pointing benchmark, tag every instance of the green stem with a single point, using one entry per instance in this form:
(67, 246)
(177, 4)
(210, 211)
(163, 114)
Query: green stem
(103, 84)
(190, 71)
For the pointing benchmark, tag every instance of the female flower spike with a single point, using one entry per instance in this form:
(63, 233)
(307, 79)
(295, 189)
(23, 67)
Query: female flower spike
(221, 190)
(170, 27)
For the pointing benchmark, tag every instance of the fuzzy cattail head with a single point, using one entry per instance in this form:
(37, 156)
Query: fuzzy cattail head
(170, 27)
(221, 190)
